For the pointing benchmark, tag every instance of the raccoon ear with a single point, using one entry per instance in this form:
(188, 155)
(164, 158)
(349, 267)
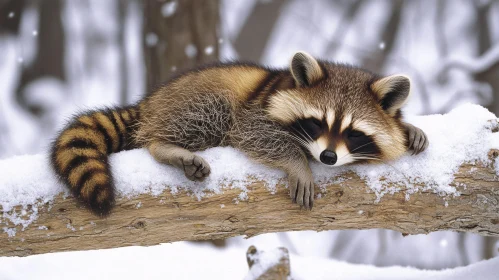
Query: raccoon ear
(392, 92)
(305, 69)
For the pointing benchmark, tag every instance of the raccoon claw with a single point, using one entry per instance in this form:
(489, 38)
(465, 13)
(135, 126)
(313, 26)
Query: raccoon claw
(196, 168)
(301, 189)
(418, 141)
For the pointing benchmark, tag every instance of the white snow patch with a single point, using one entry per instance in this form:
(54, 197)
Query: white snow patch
(169, 8)
(457, 137)
(263, 260)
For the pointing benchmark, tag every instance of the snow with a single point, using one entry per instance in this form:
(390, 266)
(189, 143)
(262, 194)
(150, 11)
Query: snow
(191, 51)
(151, 39)
(28, 180)
(173, 261)
(209, 50)
(382, 45)
(263, 261)
(169, 8)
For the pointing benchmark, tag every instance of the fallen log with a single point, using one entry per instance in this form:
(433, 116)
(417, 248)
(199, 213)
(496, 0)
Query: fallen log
(149, 220)
(346, 202)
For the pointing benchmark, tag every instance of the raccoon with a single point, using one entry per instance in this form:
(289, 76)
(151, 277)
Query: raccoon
(316, 110)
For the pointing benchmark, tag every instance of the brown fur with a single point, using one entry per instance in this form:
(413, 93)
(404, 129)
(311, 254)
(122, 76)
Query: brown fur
(246, 106)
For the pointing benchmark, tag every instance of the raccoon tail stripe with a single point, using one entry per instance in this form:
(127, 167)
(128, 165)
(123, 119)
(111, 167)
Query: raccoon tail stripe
(80, 154)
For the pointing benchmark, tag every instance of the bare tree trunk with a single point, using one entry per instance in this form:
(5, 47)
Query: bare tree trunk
(484, 44)
(10, 15)
(388, 37)
(178, 35)
(252, 40)
(50, 54)
(122, 14)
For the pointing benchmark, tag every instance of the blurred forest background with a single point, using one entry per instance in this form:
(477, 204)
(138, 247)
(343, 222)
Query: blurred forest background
(58, 57)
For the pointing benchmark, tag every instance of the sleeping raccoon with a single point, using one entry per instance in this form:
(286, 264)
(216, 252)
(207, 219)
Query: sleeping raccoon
(316, 110)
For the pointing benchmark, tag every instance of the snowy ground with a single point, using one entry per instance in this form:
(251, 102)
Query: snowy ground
(183, 260)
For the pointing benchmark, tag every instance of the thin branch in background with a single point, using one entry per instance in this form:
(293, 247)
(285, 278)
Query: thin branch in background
(123, 68)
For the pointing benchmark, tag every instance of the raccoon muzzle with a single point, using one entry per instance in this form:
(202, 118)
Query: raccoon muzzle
(80, 154)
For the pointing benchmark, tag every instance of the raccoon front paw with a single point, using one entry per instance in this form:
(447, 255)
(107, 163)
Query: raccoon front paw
(195, 167)
(301, 188)
(417, 139)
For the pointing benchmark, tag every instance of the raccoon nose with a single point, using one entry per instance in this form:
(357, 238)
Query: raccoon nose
(328, 157)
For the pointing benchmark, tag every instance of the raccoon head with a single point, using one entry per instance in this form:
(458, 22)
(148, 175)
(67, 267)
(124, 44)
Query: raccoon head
(341, 114)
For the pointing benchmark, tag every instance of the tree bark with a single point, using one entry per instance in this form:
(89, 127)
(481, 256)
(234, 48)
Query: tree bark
(179, 36)
(65, 226)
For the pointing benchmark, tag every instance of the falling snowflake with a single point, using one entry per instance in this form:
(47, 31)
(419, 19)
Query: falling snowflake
(12, 14)
(191, 51)
(169, 8)
(35, 33)
(174, 68)
(151, 39)
(443, 243)
(20, 59)
(208, 50)
(220, 41)
(382, 46)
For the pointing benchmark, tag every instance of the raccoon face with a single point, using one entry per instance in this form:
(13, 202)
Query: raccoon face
(341, 114)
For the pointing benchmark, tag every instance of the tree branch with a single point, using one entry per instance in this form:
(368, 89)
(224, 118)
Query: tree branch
(146, 219)
(64, 226)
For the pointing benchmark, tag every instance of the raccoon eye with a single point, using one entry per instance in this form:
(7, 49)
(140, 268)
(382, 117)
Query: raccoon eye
(317, 122)
(312, 127)
(355, 134)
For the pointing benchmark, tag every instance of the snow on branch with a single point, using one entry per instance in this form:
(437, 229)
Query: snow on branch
(454, 185)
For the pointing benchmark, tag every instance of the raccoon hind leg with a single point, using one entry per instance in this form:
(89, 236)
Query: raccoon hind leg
(195, 167)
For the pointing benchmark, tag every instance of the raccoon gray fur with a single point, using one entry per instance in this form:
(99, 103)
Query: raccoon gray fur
(316, 110)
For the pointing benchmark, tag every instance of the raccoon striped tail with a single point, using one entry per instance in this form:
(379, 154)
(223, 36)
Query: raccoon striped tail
(80, 154)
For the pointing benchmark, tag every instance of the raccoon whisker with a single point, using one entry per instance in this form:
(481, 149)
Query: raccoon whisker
(306, 134)
(351, 153)
(361, 146)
